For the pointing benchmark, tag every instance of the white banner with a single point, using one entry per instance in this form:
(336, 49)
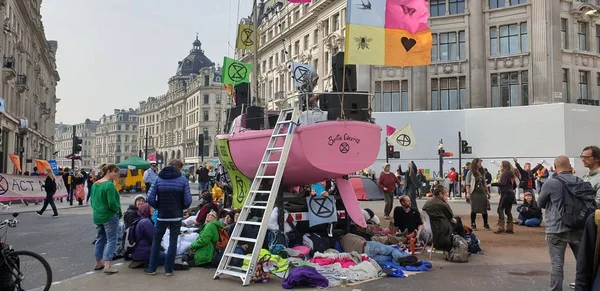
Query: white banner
(14, 188)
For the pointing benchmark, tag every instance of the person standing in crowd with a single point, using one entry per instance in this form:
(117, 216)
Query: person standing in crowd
(150, 177)
(90, 180)
(558, 235)
(527, 177)
(541, 176)
(507, 196)
(412, 183)
(588, 259)
(590, 157)
(387, 182)
(66, 176)
(170, 195)
(106, 206)
(78, 186)
(452, 186)
(50, 188)
(203, 178)
(465, 171)
(477, 194)
(488, 180)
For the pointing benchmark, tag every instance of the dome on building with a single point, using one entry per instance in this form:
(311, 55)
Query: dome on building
(195, 61)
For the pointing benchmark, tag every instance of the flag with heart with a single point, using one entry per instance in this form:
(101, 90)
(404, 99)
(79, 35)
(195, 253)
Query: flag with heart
(388, 33)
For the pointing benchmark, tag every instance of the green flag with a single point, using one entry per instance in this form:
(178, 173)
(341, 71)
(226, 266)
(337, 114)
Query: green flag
(235, 72)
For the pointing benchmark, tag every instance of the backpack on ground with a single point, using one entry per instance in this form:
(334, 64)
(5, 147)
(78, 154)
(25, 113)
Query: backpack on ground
(460, 250)
(316, 243)
(223, 239)
(579, 202)
(130, 239)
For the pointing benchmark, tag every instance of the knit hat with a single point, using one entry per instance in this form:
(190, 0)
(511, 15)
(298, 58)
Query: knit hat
(527, 194)
(137, 197)
(206, 195)
(385, 165)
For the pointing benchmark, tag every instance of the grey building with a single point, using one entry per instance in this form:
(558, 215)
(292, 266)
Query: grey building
(117, 137)
(63, 143)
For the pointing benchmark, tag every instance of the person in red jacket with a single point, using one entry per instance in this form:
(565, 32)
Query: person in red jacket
(387, 183)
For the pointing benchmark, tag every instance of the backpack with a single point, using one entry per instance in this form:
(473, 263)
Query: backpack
(223, 239)
(130, 240)
(315, 242)
(460, 250)
(52, 188)
(579, 202)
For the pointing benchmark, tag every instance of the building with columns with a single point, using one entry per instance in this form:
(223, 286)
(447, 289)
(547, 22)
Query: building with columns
(27, 87)
(63, 143)
(486, 53)
(116, 137)
(194, 104)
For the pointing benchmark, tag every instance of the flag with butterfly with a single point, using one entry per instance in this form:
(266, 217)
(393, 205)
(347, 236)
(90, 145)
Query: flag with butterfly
(388, 33)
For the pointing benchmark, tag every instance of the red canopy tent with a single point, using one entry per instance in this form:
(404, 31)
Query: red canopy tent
(366, 189)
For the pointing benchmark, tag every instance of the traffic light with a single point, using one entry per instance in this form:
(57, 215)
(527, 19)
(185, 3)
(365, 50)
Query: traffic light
(390, 151)
(77, 144)
(465, 148)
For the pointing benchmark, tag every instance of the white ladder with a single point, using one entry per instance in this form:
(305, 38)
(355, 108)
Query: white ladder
(287, 118)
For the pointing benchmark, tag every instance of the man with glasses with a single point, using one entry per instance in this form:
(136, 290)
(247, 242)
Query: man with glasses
(590, 157)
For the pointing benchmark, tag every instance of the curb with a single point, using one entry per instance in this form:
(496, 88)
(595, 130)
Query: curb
(12, 210)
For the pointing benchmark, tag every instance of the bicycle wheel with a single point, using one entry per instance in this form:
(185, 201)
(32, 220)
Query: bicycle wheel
(33, 270)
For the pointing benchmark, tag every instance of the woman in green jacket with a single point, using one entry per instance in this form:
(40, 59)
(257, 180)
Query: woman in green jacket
(204, 246)
(106, 206)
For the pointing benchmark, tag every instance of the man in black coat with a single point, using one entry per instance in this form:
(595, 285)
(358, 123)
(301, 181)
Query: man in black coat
(587, 278)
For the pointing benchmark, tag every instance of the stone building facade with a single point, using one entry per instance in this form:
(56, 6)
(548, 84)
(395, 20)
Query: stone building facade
(486, 53)
(117, 137)
(27, 87)
(193, 105)
(63, 143)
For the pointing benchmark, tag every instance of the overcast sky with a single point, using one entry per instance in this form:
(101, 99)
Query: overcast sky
(116, 53)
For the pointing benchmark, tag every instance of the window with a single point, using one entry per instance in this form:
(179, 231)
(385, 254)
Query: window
(582, 36)
(447, 47)
(315, 36)
(598, 39)
(336, 22)
(509, 39)
(306, 42)
(206, 80)
(462, 49)
(497, 4)
(270, 62)
(564, 36)
(205, 115)
(205, 133)
(218, 99)
(434, 47)
(517, 2)
(205, 150)
(205, 99)
(297, 47)
(456, 6)
(391, 96)
(510, 89)
(583, 84)
(448, 93)
(437, 8)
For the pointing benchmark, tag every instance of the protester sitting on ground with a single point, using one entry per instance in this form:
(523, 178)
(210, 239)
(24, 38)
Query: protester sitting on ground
(144, 234)
(441, 218)
(530, 214)
(207, 205)
(406, 218)
(370, 217)
(229, 219)
(217, 193)
(203, 248)
(132, 212)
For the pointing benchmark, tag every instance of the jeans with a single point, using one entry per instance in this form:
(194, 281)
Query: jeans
(557, 245)
(106, 239)
(380, 252)
(531, 222)
(203, 186)
(389, 202)
(159, 232)
(49, 201)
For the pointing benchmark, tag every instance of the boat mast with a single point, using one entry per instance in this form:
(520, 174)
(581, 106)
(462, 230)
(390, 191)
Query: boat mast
(254, 79)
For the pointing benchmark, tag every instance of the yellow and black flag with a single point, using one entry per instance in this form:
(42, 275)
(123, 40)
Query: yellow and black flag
(245, 37)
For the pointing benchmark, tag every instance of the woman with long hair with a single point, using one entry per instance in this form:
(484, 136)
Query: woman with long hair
(106, 206)
(477, 193)
(50, 188)
(506, 184)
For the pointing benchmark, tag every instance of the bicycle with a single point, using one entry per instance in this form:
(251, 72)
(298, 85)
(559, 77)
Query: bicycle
(12, 264)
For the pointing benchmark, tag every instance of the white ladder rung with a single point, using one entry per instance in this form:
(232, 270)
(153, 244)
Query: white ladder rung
(256, 207)
(279, 135)
(257, 223)
(275, 149)
(284, 122)
(238, 256)
(241, 275)
(265, 177)
(261, 191)
(241, 238)
(270, 162)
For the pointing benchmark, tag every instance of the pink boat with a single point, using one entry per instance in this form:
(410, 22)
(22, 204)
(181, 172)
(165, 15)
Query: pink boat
(320, 151)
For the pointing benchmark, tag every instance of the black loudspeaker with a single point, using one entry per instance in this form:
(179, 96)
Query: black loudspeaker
(337, 70)
(242, 91)
(255, 118)
(232, 113)
(273, 120)
(356, 106)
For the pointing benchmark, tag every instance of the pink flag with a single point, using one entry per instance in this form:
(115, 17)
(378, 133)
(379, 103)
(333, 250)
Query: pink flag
(299, 1)
(390, 130)
(409, 15)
